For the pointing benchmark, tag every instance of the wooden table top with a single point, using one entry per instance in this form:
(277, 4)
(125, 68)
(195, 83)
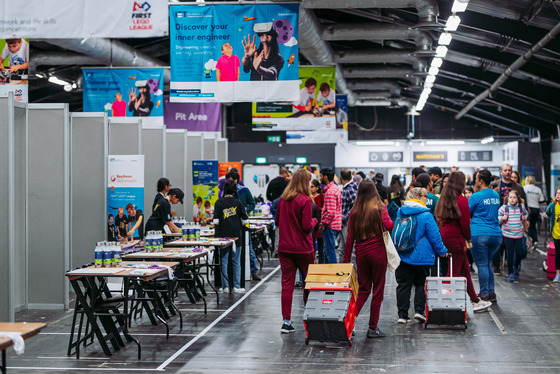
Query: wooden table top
(203, 242)
(174, 254)
(26, 329)
(123, 271)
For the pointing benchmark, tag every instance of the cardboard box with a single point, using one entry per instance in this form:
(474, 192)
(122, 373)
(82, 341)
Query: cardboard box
(332, 275)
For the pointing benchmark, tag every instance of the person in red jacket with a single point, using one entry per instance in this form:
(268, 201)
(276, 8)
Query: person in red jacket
(454, 219)
(365, 233)
(295, 246)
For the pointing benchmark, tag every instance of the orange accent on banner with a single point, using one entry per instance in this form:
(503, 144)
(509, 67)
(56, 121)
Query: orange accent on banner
(223, 168)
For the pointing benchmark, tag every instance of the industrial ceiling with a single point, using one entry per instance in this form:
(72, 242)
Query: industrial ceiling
(501, 68)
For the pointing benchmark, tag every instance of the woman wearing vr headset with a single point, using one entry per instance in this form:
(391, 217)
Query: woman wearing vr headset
(265, 62)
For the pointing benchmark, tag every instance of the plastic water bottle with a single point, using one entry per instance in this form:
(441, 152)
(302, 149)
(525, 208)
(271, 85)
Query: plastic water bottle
(148, 242)
(182, 222)
(197, 231)
(117, 255)
(175, 221)
(99, 254)
(107, 254)
(160, 241)
(185, 232)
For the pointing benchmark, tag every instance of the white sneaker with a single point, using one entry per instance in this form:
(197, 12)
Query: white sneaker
(420, 317)
(556, 278)
(481, 305)
(238, 290)
(403, 320)
(223, 290)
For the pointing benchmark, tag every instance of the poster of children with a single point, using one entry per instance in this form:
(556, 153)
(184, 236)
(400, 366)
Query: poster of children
(234, 52)
(125, 93)
(14, 68)
(314, 109)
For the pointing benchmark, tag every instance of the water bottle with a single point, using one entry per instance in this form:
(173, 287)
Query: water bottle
(182, 222)
(150, 242)
(99, 254)
(185, 232)
(107, 253)
(160, 241)
(197, 231)
(117, 255)
(192, 232)
(175, 221)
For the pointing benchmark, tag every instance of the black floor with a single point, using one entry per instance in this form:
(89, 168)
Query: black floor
(520, 334)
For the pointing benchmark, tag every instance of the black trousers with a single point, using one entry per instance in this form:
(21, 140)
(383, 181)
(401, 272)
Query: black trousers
(407, 276)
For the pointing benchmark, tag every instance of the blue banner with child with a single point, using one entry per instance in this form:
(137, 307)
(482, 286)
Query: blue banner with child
(125, 93)
(234, 52)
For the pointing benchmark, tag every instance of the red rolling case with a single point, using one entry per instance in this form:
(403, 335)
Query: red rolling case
(550, 264)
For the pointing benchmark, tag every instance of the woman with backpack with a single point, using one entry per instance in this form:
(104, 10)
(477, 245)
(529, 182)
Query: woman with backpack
(366, 222)
(513, 216)
(454, 219)
(419, 256)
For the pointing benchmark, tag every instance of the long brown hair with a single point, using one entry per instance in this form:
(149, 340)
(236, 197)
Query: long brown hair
(366, 222)
(298, 184)
(447, 207)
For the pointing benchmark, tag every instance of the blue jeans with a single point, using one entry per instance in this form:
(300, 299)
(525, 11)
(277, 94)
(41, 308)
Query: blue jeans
(252, 258)
(484, 248)
(329, 249)
(236, 262)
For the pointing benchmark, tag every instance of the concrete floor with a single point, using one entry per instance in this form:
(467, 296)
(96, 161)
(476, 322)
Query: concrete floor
(520, 334)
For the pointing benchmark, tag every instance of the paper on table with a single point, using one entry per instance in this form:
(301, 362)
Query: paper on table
(19, 344)
(97, 271)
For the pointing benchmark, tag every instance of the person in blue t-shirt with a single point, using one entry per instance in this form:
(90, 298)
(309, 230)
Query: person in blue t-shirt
(485, 232)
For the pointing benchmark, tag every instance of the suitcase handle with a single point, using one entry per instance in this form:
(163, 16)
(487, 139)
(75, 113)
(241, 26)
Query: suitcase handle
(450, 267)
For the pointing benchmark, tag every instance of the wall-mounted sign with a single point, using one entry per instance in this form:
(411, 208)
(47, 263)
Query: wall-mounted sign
(429, 156)
(386, 157)
(474, 156)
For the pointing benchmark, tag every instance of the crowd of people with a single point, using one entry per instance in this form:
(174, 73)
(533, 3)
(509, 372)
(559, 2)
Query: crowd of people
(473, 219)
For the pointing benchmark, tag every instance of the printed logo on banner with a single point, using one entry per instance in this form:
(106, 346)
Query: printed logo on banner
(140, 16)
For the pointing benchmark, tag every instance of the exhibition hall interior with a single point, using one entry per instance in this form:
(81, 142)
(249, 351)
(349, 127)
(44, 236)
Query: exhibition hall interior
(197, 186)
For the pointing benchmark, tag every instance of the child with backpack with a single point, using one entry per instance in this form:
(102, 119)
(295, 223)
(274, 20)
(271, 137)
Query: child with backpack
(512, 216)
(417, 240)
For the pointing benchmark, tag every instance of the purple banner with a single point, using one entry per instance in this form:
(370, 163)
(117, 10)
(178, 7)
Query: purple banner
(192, 116)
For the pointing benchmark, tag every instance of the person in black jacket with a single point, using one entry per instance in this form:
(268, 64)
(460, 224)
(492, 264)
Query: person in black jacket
(229, 216)
(277, 185)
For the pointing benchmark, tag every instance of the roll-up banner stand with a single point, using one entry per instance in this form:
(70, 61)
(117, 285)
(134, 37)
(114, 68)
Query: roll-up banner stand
(79, 19)
(125, 176)
(217, 52)
(125, 93)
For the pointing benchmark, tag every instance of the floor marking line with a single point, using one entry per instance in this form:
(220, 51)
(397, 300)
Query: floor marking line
(497, 321)
(215, 322)
(74, 369)
(139, 334)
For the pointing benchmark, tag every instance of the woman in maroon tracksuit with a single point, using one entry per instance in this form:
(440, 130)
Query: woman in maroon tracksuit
(365, 234)
(454, 219)
(295, 247)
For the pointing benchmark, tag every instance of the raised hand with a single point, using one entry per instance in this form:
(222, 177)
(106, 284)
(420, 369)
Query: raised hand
(132, 94)
(257, 60)
(249, 46)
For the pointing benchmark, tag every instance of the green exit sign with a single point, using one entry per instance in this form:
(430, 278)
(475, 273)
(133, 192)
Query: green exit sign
(273, 139)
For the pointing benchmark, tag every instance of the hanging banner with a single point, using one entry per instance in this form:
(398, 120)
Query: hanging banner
(323, 137)
(14, 68)
(314, 109)
(205, 185)
(125, 93)
(84, 19)
(192, 116)
(223, 168)
(234, 52)
(125, 176)
(342, 112)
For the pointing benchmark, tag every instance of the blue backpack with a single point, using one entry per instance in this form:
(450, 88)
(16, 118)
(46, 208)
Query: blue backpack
(404, 234)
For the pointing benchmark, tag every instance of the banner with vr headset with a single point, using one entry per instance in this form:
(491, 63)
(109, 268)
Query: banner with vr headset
(314, 109)
(79, 19)
(125, 93)
(125, 190)
(14, 68)
(234, 52)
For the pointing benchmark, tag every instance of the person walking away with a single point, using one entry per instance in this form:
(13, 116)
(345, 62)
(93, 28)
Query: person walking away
(534, 198)
(365, 234)
(512, 216)
(318, 199)
(295, 248)
(331, 215)
(454, 219)
(277, 185)
(381, 190)
(437, 181)
(415, 266)
(553, 213)
(229, 216)
(485, 231)
(395, 191)
(348, 197)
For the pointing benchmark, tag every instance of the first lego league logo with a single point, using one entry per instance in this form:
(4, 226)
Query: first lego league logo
(141, 16)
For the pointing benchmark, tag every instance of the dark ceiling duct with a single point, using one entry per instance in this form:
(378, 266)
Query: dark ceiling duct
(381, 57)
(62, 58)
(377, 72)
(428, 10)
(376, 84)
(369, 31)
(371, 94)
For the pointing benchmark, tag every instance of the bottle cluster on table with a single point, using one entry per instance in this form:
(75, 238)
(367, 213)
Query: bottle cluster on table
(261, 209)
(153, 241)
(189, 230)
(108, 254)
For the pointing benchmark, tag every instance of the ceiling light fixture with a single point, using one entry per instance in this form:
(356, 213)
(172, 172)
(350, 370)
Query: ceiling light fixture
(433, 70)
(445, 142)
(487, 140)
(459, 6)
(452, 23)
(441, 51)
(445, 38)
(55, 80)
(437, 61)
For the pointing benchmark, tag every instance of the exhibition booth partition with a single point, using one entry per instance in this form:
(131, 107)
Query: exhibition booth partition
(54, 182)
